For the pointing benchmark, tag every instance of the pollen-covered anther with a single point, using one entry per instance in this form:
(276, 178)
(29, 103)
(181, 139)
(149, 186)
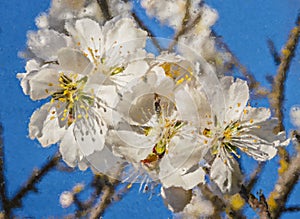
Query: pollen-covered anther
(207, 132)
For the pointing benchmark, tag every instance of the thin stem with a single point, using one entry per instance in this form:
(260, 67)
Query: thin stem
(184, 26)
(35, 178)
(105, 9)
(291, 209)
(254, 177)
(150, 33)
(287, 54)
(284, 186)
(4, 198)
(108, 192)
(277, 94)
(256, 204)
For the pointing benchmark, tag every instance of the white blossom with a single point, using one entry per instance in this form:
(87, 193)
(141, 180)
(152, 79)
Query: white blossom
(295, 116)
(62, 11)
(110, 49)
(171, 12)
(157, 143)
(66, 199)
(230, 127)
(75, 115)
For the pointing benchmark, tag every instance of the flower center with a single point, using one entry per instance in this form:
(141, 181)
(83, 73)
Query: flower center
(71, 93)
(168, 129)
(177, 72)
(225, 138)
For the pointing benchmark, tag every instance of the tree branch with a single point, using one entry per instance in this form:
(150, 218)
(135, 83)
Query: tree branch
(273, 51)
(292, 209)
(261, 205)
(150, 33)
(105, 9)
(287, 54)
(277, 94)
(3, 193)
(284, 186)
(219, 204)
(184, 26)
(106, 198)
(35, 178)
(254, 177)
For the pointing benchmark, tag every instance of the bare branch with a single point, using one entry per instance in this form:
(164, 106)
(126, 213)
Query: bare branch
(150, 33)
(277, 94)
(273, 51)
(254, 177)
(284, 186)
(292, 208)
(35, 178)
(106, 198)
(4, 198)
(219, 204)
(257, 205)
(287, 54)
(184, 26)
(105, 9)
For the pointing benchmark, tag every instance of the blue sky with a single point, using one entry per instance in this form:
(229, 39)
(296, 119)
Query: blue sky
(244, 26)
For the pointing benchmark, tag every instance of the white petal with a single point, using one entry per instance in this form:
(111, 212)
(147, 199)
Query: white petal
(104, 161)
(180, 177)
(295, 116)
(44, 126)
(43, 83)
(236, 95)
(46, 43)
(68, 148)
(225, 172)
(74, 60)
(133, 71)
(123, 36)
(193, 106)
(252, 115)
(90, 134)
(88, 37)
(132, 139)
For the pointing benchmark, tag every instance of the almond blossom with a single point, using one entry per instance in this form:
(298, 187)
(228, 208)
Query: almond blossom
(231, 127)
(154, 137)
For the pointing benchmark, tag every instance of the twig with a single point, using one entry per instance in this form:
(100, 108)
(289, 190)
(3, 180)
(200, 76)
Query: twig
(4, 198)
(105, 9)
(284, 186)
(261, 205)
(273, 51)
(277, 95)
(254, 177)
(219, 204)
(291, 209)
(184, 27)
(150, 33)
(36, 176)
(106, 198)
(287, 54)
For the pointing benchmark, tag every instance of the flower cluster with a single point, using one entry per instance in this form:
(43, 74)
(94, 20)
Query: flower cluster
(172, 118)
